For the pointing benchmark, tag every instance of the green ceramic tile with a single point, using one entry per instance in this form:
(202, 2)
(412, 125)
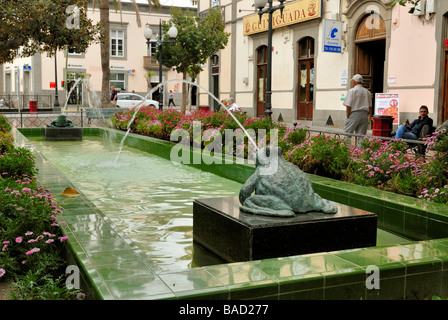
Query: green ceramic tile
(393, 219)
(366, 257)
(195, 284)
(104, 245)
(415, 225)
(389, 289)
(423, 286)
(292, 273)
(349, 291)
(126, 270)
(335, 269)
(313, 294)
(415, 261)
(244, 280)
(139, 288)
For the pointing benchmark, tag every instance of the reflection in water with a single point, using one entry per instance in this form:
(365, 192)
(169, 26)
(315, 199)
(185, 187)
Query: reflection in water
(149, 198)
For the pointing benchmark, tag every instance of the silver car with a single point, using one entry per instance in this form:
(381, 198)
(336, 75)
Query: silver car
(130, 100)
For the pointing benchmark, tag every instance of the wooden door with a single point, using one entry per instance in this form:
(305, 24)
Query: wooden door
(306, 89)
(444, 111)
(305, 72)
(261, 80)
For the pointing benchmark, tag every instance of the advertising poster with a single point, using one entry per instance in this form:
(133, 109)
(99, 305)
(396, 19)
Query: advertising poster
(387, 104)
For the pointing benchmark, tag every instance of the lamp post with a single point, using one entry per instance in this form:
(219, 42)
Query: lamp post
(172, 32)
(56, 98)
(260, 4)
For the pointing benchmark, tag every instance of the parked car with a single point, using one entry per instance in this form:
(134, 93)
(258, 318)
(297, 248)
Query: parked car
(130, 100)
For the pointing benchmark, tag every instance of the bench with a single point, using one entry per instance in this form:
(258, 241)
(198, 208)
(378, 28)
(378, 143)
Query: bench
(102, 113)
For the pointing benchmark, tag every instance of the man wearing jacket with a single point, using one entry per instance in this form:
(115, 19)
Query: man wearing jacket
(412, 131)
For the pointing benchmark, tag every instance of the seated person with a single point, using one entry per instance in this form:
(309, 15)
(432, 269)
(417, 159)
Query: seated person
(413, 131)
(232, 105)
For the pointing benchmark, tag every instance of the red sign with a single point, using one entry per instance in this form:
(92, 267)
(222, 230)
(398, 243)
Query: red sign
(52, 85)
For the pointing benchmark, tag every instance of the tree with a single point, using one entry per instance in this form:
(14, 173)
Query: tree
(105, 44)
(32, 26)
(198, 39)
(405, 2)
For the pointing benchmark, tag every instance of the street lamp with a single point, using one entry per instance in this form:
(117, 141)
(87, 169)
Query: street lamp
(172, 32)
(260, 4)
(56, 98)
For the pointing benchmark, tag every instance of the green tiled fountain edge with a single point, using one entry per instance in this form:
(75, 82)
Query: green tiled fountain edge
(114, 268)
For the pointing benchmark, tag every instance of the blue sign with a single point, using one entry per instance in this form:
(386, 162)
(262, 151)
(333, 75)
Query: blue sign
(26, 67)
(332, 36)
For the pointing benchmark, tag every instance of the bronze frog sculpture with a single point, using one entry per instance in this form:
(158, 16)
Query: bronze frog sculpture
(281, 188)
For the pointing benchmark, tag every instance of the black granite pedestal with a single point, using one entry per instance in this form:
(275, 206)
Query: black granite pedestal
(63, 134)
(219, 226)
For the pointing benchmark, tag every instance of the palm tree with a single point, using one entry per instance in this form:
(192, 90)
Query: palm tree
(105, 43)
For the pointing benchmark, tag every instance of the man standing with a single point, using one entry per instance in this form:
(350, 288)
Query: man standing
(113, 94)
(358, 103)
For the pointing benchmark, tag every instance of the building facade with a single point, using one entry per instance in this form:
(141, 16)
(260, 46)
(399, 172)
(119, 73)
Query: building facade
(318, 45)
(132, 63)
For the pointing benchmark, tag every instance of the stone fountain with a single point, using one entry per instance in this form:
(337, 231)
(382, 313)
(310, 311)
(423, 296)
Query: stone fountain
(284, 217)
(62, 129)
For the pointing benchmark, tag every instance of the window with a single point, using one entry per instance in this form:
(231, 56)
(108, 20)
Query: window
(117, 80)
(117, 43)
(72, 52)
(215, 3)
(152, 48)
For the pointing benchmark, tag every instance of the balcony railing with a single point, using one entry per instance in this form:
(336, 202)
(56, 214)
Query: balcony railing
(150, 62)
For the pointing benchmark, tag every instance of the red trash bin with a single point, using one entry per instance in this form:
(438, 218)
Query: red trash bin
(204, 108)
(33, 106)
(382, 125)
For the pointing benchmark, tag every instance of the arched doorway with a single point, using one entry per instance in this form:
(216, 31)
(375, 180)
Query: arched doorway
(370, 53)
(262, 53)
(306, 79)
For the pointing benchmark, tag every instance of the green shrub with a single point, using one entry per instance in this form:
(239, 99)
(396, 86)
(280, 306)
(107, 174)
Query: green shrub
(6, 142)
(17, 163)
(4, 125)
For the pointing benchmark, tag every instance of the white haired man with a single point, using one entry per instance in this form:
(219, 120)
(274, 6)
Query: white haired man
(358, 103)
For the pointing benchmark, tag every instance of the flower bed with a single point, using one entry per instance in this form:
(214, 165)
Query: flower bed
(32, 245)
(375, 163)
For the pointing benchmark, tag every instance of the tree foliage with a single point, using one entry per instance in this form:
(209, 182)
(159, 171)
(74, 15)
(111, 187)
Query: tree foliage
(32, 26)
(198, 39)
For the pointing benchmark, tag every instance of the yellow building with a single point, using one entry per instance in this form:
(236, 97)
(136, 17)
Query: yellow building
(317, 46)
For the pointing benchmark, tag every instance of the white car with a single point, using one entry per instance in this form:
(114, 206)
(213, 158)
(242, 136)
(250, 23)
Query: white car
(130, 100)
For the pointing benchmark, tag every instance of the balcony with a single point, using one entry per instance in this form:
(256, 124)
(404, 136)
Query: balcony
(150, 62)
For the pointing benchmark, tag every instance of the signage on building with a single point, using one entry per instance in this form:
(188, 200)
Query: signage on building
(388, 104)
(332, 35)
(26, 67)
(75, 65)
(294, 12)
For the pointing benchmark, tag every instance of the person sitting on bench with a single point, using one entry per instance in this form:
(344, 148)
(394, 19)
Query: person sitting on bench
(414, 131)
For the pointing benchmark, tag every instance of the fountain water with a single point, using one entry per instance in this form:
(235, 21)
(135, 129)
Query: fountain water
(137, 108)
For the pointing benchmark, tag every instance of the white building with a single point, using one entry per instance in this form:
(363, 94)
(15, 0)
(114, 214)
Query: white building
(34, 78)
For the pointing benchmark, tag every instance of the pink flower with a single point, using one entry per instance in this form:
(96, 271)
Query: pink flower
(63, 238)
(29, 253)
(35, 250)
(4, 247)
(28, 233)
(49, 241)
(19, 239)
(2, 272)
